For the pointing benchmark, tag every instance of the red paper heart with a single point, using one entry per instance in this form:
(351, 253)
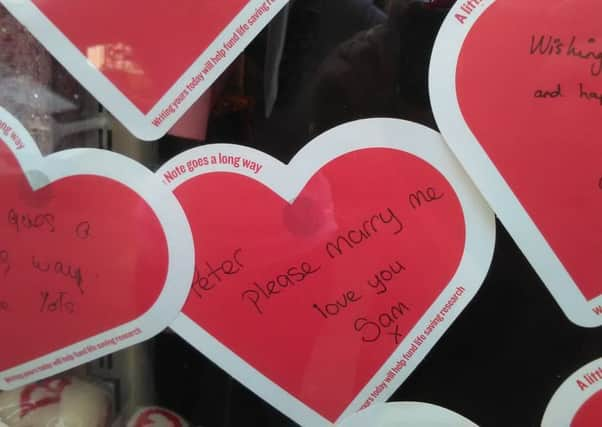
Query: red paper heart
(43, 393)
(246, 236)
(546, 149)
(102, 245)
(142, 47)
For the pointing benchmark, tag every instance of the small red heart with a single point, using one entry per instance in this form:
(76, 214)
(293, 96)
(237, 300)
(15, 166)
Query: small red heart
(268, 284)
(78, 257)
(142, 47)
(546, 148)
(158, 417)
(44, 393)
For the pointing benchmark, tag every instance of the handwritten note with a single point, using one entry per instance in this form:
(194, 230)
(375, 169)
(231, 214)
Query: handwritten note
(529, 101)
(63, 273)
(350, 265)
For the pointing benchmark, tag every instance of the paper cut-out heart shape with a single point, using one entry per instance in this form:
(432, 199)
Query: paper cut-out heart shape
(578, 401)
(145, 62)
(407, 414)
(156, 417)
(519, 110)
(321, 284)
(93, 256)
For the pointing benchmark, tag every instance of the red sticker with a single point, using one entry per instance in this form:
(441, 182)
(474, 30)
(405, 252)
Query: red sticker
(75, 281)
(44, 393)
(332, 276)
(520, 113)
(156, 417)
(578, 401)
(146, 62)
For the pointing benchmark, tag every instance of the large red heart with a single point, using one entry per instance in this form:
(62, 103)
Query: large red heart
(319, 293)
(527, 99)
(146, 62)
(80, 257)
(148, 46)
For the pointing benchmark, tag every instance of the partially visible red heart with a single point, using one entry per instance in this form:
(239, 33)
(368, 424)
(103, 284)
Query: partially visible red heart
(157, 417)
(318, 294)
(590, 414)
(78, 257)
(142, 47)
(43, 393)
(522, 94)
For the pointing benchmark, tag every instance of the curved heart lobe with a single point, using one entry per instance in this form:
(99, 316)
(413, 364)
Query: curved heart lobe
(78, 257)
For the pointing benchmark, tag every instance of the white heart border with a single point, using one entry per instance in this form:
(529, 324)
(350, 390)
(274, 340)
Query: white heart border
(110, 96)
(568, 399)
(442, 89)
(370, 133)
(407, 414)
(89, 161)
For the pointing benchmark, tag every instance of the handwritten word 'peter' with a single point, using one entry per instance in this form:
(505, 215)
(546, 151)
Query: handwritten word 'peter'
(205, 281)
(384, 276)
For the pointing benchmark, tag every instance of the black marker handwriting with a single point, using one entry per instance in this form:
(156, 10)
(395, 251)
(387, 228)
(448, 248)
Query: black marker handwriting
(204, 281)
(60, 268)
(419, 197)
(259, 294)
(57, 302)
(371, 330)
(4, 262)
(548, 45)
(22, 221)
